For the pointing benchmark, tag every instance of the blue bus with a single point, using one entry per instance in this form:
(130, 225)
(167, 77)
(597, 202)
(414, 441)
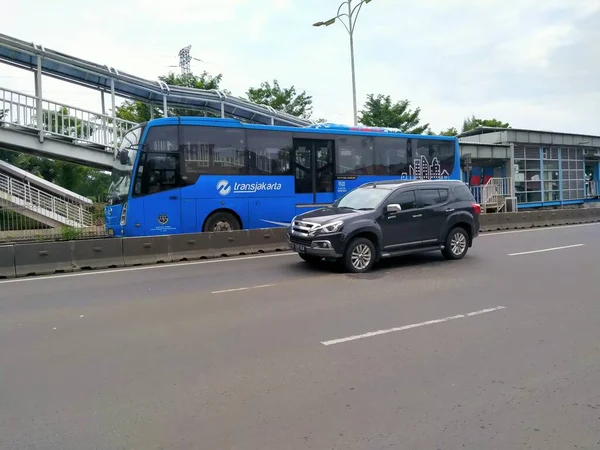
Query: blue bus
(192, 174)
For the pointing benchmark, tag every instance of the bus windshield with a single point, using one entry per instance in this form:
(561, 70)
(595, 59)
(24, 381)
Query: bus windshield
(122, 170)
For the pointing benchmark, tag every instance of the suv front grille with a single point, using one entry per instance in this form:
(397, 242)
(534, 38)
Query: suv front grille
(303, 228)
(300, 241)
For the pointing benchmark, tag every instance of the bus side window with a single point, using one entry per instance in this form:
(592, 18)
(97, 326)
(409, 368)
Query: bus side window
(354, 155)
(211, 151)
(269, 152)
(391, 156)
(439, 154)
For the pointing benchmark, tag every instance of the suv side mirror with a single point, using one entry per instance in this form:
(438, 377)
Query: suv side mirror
(393, 208)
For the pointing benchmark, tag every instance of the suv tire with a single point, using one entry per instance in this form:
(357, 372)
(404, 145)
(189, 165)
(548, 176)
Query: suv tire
(456, 244)
(359, 255)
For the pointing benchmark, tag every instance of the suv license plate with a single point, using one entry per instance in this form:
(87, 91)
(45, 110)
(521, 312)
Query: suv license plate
(299, 248)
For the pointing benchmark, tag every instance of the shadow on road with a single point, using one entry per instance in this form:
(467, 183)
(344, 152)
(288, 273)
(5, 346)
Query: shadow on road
(383, 267)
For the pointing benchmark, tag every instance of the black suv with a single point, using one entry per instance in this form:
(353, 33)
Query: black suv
(386, 219)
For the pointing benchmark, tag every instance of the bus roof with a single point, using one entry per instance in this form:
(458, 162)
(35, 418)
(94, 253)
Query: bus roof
(321, 128)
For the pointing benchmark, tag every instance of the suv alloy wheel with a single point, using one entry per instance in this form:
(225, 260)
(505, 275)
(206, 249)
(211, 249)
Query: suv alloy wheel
(359, 256)
(457, 244)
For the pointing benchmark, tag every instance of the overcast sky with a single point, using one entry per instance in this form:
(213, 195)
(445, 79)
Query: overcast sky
(532, 63)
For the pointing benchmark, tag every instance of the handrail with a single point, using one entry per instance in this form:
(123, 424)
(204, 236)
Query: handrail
(68, 106)
(493, 193)
(60, 119)
(50, 206)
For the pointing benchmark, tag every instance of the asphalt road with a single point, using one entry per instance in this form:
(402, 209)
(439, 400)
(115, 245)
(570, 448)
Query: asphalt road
(498, 351)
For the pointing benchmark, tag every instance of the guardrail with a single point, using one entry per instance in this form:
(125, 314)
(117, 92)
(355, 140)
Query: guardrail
(61, 120)
(20, 260)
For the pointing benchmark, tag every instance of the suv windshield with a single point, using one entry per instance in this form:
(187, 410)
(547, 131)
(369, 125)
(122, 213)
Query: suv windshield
(362, 198)
(122, 171)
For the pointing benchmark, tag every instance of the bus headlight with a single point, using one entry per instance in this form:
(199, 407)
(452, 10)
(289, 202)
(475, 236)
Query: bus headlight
(124, 215)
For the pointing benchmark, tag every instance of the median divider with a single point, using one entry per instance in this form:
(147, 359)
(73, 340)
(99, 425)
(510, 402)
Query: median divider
(536, 219)
(7, 262)
(19, 260)
(231, 243)
(490, 222)
(98, 254)
(190, 247)
(139, 251)
(266, 240)
(45, 258)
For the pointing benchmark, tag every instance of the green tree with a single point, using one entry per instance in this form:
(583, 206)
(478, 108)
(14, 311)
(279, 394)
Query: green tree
(472, 123)
(381, 112)
(282, 99)
(136, 111)
(452, 131)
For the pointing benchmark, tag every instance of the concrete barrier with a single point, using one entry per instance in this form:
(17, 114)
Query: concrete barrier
(268, 240)
(44, 258)
(538, 218)
(7, 262)
(490, 222)
(54, 257)
(231, 243)
(189, 247)
(98, 254)
(138, 251)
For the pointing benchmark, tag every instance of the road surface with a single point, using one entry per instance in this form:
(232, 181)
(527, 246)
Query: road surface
(498, 351)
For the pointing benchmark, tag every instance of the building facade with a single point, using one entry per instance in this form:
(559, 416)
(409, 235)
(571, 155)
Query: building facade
(548, 168)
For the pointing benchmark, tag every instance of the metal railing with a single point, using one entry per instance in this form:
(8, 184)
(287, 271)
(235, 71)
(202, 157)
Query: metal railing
(60, 120)
(493, 194)
(56, 209)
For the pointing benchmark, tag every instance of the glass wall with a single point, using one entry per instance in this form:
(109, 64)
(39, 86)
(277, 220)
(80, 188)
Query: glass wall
(572, 173)
(543, 173)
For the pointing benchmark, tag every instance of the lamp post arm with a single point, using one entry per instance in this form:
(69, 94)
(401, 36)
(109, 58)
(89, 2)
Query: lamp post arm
(356, 10)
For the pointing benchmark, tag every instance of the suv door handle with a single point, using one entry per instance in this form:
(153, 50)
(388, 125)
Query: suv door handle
(417, 215)
(450, 210)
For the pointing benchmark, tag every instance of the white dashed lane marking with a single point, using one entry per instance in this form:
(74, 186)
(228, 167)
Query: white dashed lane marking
(544, 250)
(224, 291)
(410, 327)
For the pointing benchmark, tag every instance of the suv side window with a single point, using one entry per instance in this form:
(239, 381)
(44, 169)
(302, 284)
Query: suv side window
(406, 199)
(463, 193)
(430, 197)
(444, 195)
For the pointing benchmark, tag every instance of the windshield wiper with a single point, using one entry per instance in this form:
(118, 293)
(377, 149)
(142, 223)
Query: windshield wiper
(365, 209)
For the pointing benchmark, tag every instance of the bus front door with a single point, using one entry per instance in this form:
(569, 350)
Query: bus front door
(313, 173)
(162, 202)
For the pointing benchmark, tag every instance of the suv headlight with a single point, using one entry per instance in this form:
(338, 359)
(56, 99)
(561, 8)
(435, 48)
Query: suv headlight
(332, 227)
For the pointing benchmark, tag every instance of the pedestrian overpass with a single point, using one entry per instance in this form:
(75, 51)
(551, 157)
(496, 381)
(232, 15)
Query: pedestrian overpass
(36, 124)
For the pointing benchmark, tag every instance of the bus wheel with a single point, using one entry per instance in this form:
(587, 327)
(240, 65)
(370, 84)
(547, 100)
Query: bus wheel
(222, 221)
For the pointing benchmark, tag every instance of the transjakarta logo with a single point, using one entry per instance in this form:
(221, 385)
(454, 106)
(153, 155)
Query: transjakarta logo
(224, 187)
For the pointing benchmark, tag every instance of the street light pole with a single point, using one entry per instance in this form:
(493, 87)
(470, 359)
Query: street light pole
(352, 16)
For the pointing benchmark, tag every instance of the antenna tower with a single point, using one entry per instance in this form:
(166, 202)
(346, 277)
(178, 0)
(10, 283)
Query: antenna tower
(184, 60)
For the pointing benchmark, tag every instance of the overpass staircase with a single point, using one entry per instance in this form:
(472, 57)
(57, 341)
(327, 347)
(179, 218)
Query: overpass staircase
(493, 195)
(42, 201)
